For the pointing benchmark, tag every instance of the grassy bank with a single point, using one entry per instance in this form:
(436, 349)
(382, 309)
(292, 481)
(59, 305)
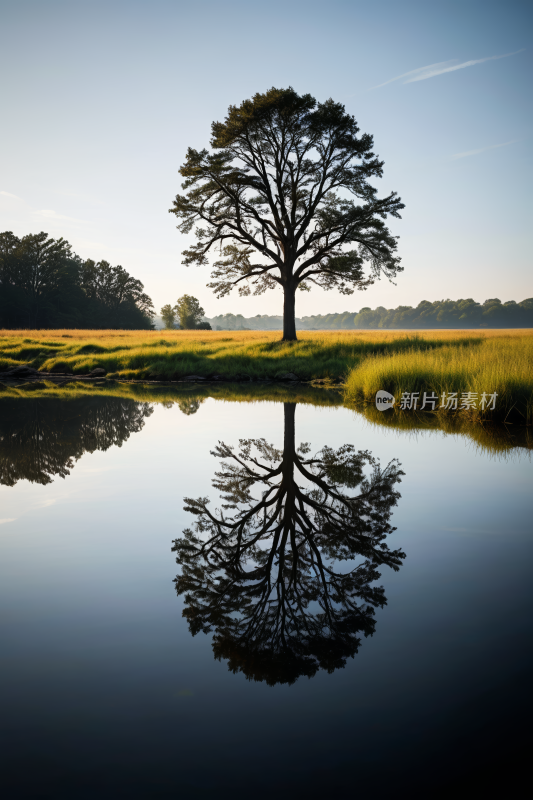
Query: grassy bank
(438, 361)
(501, 364)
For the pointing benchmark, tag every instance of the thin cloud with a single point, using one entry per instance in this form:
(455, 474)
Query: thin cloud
(412, 72)
(8, 194)
(432, 73)
(48, 213)
(482, 150)
(11, 519)
(50, 501)
(431, 70)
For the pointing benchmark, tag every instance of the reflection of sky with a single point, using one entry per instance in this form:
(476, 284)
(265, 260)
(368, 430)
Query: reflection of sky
(96, 655)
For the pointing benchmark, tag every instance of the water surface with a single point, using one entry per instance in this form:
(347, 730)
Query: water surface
(321, 662)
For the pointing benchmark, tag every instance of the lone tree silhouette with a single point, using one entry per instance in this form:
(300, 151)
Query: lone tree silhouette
(264, 574)
(278, 197)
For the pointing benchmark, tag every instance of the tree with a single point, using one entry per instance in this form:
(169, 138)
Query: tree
(168, 314)
(189, 311)
(268, 575)
(274, 196)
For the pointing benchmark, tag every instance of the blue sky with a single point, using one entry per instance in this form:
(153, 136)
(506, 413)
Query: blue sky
(101, 99)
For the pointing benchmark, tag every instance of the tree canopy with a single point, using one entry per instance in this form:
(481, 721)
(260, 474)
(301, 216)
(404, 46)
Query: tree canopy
(115, 293)
(286, 198)
(39, 441)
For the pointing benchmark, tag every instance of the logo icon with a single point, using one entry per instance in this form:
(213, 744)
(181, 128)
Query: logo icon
(384, 400)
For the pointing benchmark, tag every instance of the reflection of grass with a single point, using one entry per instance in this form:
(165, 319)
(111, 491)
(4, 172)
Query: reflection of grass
(175, 354)
(497, 439)
(185, 395)
(502, 364)
(489, 437)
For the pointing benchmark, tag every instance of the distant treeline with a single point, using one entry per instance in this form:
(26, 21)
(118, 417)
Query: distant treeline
(43, 284)
(440, 314)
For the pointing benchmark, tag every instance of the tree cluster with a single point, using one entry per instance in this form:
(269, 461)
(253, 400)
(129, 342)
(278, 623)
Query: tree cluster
(237, 322)
(187, 315)
(440, 314)
(44, 284)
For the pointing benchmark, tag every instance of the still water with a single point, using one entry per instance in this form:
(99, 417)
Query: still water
(252, 599)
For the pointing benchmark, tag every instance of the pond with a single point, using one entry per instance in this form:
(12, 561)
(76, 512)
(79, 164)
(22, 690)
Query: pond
(210, 598)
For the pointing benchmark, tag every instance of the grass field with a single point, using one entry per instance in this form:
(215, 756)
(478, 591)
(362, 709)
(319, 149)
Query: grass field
(439, 361)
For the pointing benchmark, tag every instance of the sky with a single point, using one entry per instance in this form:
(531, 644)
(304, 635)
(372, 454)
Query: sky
(100, 101)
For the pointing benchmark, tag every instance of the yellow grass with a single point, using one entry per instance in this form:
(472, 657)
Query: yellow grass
(175, 354)
(148, 337)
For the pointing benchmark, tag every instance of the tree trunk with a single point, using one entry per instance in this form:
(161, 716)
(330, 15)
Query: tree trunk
(289, 313)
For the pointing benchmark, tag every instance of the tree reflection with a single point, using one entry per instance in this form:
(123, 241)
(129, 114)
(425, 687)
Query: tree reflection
(190, 405)
(284, 574)
(187, 405)
(44, 437)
